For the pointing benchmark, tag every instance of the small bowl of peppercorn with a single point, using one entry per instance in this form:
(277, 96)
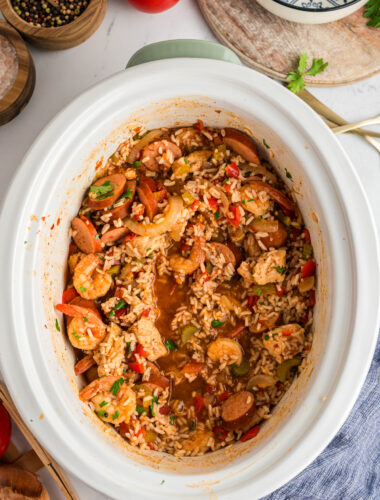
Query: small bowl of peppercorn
(54, 24)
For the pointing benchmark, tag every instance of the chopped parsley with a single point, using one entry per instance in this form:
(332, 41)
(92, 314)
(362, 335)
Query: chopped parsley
(85, 319)
(295, 78)
(243, 201)
(262, 303)
(82, 289)
(115, 415)
(266, 144)
(76, 335)
(97, 237)
(103, 403)
(171, 345)
(140, 410)
(137, 163)
(101, 414)
(162, 482)
(127, 194)
(185, 160)
(266, 337)
(111, 313)
(128, 350)
(216, 323)
(274, 335)
(171, 419)
(100, 256)
(103, 191)
(120, 305)
(225, 181)
(259, 292)
(279, 269)
(252, 199)
(57, 325)
(154, 398)
(288, 174)
(247, 174)
(148, 250)
(115, 387)
(217, 215)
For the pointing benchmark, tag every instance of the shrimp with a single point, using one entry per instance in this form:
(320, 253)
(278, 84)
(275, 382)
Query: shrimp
(114, 401)
(84, 364)
(273, 193)
(226, 350)
(180, 264)
(86, 330)
(89, 281)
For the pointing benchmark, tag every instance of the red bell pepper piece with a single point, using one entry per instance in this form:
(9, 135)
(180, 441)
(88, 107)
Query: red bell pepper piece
(121, 312)
(198, 403)
(236, 330)
(287, 333)
(250, 434)
(165, 410)
(235, 219)
(68, 295)
(140, 351)
(308, 269)
(280, 292)
(136, 367)
(307, 235)
(199, 125)
(252, 301)
(232, 170)
(213, 202)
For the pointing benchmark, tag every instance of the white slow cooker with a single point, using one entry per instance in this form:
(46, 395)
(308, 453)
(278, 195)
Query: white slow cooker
(37, 360)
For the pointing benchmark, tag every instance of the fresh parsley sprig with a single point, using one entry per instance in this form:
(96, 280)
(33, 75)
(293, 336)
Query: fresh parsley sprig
(372, 11)
(295, 78)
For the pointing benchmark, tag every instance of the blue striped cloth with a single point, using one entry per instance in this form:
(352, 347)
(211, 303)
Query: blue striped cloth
(349, 468)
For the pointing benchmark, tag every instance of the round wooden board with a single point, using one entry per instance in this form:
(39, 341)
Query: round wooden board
(272, 45)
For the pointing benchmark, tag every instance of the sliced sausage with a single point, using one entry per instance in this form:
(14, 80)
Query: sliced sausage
(228, 254)
(114, 235)
(147, 198)
(163, 149)
(85, 235)
(274, 193)
(242, 144)
(238, 409)
(236, 251)
(277, 238)
(159, 380)
(116, 182)
(20, 484)
(123, 210)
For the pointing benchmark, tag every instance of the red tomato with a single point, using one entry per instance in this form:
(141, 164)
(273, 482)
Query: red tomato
(5, 430)
(220, 433)
(308, 269)
(224, 396)
(213, 202)
(307, 235)
(232, 170)
(250, 434)
(152, 6)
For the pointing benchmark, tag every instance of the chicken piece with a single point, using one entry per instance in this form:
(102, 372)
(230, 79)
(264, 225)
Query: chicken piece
(110, 355)
(149, 337)
(198, 440)
(138, 247)
(270, 267)
(285, 341)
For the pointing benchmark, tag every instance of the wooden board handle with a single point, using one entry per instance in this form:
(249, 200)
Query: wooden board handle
(54, 469)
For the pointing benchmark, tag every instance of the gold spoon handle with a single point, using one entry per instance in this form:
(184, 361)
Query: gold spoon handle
(352, 126)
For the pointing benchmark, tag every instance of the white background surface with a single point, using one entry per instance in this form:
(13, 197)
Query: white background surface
(63, 75)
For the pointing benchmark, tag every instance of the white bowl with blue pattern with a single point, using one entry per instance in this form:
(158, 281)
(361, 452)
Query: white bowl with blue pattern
(312, 11)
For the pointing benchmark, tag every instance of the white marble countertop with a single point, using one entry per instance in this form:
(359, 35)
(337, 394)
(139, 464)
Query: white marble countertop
(63, 75)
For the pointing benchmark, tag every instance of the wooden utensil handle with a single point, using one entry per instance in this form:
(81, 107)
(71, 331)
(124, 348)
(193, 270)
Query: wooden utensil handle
(54, 469)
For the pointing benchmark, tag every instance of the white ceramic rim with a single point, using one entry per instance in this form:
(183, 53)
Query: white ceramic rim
(367, 273)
